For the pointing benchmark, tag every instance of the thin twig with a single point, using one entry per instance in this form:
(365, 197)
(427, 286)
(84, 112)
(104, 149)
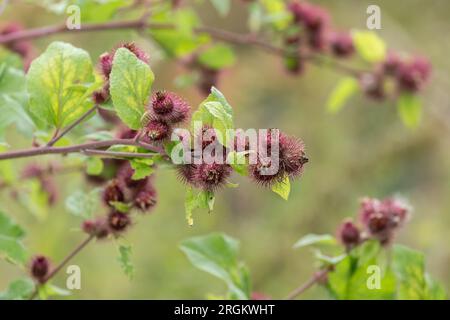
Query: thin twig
(117, 154)
(140, 25)
(76, 148)
(318, 276)
(63, 263)
(58, 136)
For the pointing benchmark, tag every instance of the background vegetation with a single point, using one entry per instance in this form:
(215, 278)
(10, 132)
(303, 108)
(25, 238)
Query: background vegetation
(363, 150)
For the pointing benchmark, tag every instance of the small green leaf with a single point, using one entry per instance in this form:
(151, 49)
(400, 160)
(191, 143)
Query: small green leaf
(217, 254)
(344, 90)
(94, 166)
(282, 188)
(180, 40)
(369, 46)
(276, 14)
(48, 290)
(121, 206)
(315, 239)
(82, 204)
(238, 161)
(11, 248)
(14, 100)
(222, 6)
(125, 260)
(197, 200)
(217, 57)
(60, 83)
(130, 84)
(142, 168)
(410, 109)
(9, 228)
(20, 289)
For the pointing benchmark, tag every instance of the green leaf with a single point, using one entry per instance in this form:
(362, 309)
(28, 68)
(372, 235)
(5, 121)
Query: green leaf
(238, 161)
(181, 40)
(9, 228)
(14, 101)
(142, 168)
(197, 200)
(125, 260)
(11, 247)
(82, 204)
(12, 250)
(19, 289)
(315, 239)
(410, 109)
(344, 90)
(49, 290)
(349, 280)
(369, 46)
(217, 57)
(276, 14)
(121, 206)
(94, 166)
(222, 6)
(283, 188)
(130, 84)
(413, 282)
(216, 112)
(60, 83)
(217, 254)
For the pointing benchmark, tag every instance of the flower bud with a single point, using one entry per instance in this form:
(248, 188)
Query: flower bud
(342, 44)
(97, 228)
(157, 130)
(169, 107)
(145, 198)
(40, 267)
(113, 192)
(349, 234)
(210, 177)
(118, 222)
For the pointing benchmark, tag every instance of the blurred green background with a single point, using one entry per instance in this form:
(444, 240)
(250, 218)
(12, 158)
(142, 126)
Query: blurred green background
(364, 150)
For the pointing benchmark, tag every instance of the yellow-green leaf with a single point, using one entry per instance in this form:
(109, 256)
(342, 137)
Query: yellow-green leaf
(60, 83)
(369, 46)
(282, 188)
(346, 88)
